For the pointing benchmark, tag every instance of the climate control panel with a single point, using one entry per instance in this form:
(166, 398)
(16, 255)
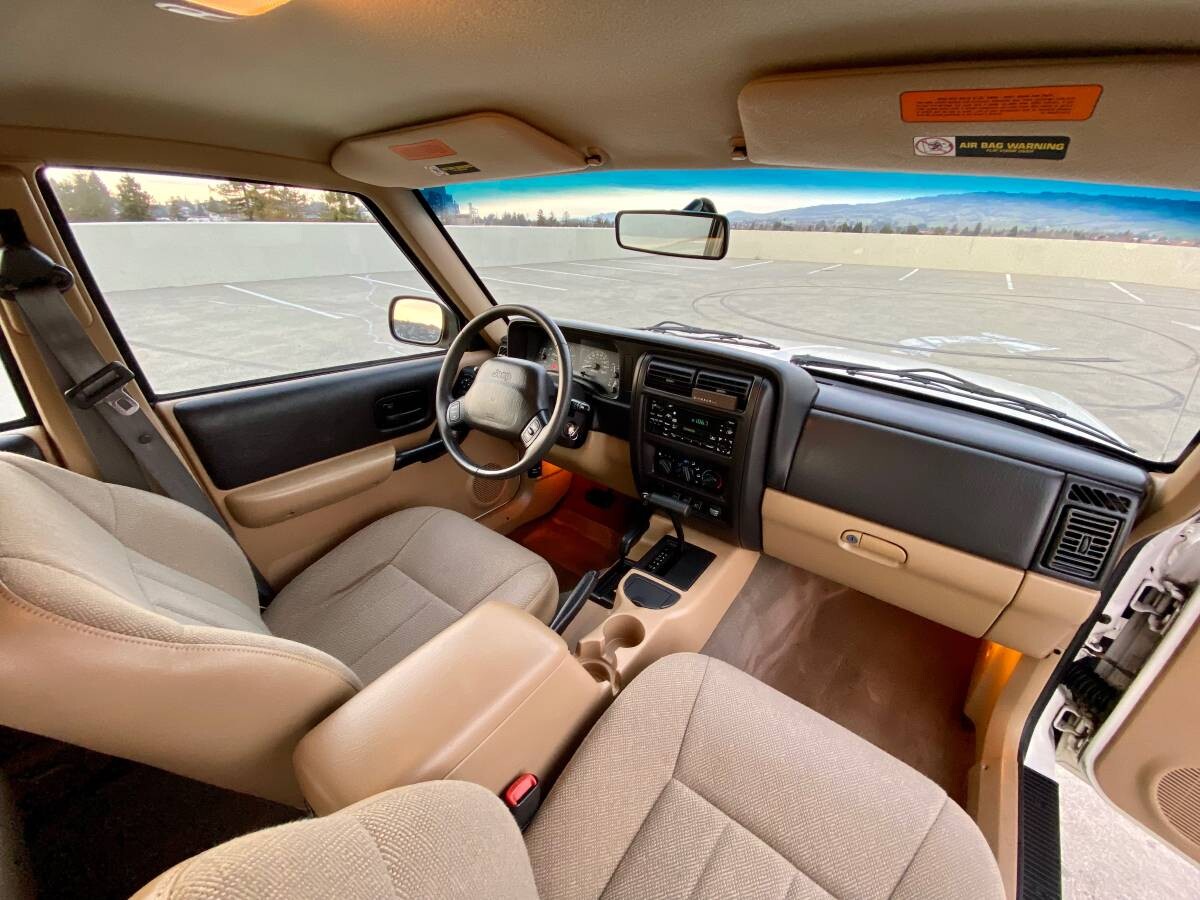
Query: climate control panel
(688, 471)
(699, 483)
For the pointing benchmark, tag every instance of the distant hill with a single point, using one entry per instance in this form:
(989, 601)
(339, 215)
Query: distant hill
(1087, 214)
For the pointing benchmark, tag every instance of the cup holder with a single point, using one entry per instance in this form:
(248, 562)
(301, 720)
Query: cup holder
(598, 654)
(621, 631)
(603, 672)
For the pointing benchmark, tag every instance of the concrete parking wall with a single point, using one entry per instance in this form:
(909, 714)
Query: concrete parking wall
(135, 255)
(1104, 260)
(127, 256)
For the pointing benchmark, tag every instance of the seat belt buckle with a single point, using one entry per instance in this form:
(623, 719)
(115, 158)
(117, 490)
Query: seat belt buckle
(523, 796)
(105, 385)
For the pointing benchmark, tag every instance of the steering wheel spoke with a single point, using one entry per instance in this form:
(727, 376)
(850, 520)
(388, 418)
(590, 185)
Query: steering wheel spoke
(515, 400)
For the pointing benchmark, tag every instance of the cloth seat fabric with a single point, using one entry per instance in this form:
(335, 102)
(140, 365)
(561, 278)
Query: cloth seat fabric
(699, 781)
(388, 589)
(702, 781)
(130, 623)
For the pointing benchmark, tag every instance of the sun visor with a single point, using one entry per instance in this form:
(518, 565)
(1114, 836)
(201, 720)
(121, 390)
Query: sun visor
(478, 147)
(1130, 121)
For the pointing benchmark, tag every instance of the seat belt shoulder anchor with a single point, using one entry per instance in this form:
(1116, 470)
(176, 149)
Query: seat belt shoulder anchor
(24, 267)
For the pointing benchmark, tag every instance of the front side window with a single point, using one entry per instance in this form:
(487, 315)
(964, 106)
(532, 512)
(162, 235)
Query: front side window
(215, 282)
(12, 408)
(1079, 300)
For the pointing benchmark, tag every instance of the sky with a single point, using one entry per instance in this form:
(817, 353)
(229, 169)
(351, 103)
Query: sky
(754, 189)
(751, 190)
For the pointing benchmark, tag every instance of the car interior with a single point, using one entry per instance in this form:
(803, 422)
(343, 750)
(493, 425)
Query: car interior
(532, 603)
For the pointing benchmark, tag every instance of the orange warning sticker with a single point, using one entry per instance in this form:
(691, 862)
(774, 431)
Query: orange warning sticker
(423, 150)
(1057, 103)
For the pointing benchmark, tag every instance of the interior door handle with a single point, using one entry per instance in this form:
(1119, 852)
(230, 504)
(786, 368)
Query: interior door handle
(407, 409)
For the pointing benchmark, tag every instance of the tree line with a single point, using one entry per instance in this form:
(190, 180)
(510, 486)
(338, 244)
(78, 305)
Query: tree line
(84, 197)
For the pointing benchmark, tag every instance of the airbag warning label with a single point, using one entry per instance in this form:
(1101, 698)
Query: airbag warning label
(1054, 103)
(1004, 146)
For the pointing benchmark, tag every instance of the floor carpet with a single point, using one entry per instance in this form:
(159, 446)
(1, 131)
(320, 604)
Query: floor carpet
(894, 678)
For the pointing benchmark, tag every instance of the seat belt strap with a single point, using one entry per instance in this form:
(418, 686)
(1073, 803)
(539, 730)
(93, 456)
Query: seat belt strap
(37, 285)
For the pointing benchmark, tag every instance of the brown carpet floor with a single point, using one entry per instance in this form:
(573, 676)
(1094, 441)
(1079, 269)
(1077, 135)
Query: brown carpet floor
(583, 532)
(894, 678)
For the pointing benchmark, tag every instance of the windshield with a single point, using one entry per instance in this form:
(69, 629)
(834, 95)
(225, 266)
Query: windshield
(1080, 298)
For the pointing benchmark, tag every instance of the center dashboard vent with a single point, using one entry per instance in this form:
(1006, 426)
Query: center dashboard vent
(726, 384)
(1085, 536)
(670, 377)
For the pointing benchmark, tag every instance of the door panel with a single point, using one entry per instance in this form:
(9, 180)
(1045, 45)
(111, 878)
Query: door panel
(1146, 757)
(298, 467)
(248, 434)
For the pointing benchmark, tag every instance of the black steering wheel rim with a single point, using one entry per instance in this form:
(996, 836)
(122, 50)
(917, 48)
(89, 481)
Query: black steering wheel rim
(547, 436)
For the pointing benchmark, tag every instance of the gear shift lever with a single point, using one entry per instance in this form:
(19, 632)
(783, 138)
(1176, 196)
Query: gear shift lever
(676, 509)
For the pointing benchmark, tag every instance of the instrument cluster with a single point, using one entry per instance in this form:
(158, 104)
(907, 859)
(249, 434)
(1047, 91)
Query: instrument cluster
(599, 367)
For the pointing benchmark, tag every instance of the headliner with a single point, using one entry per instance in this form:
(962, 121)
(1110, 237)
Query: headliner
(652, 82)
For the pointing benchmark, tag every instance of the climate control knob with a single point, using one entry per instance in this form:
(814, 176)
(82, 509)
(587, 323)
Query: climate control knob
(710, 480)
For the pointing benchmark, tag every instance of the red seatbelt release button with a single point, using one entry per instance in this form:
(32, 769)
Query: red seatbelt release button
(523, 797)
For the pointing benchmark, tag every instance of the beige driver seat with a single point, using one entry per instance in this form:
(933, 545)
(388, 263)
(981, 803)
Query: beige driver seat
(130, 623)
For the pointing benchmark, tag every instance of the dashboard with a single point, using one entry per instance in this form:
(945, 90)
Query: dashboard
(724, 429)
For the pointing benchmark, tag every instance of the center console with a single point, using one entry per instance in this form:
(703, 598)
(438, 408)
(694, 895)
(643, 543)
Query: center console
(698, 439)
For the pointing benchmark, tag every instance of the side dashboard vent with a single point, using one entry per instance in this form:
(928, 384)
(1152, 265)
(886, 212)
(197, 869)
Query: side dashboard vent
(735, 386)
(1081, 543)
(670, 377)
(1099, 498)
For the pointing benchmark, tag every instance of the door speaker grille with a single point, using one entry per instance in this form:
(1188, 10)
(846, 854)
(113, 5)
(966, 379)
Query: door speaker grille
(487, 491)
(1178, 796)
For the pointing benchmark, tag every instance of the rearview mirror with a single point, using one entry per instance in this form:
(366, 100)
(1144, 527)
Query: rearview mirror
(419, 320)
(696, 235)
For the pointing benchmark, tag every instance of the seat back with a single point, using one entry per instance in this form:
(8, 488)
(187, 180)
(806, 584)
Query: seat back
(129, 624)
(438, 839)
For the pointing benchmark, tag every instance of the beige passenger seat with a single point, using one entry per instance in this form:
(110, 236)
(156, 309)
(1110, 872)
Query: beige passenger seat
(699, 781)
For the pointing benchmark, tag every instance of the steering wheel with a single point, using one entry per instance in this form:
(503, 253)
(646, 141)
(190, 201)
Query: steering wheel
(509, 398)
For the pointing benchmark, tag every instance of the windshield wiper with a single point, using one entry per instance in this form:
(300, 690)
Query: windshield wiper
(710, 334)
(956, 384)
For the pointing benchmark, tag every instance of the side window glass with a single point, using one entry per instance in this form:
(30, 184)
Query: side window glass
(12, 408)
(217, 282)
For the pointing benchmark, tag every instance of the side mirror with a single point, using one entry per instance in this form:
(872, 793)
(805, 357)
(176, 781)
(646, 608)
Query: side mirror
(695, 235)
(419, 320)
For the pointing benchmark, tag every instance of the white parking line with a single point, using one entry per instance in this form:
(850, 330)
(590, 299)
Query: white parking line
(544, 287)
(908, 275)
(1008, 280)
(765, 262)
(826, 268)
(1127, 293)
(315, 312)
(615, 269)
(1187, 325)
(406, 287)
(557, 272)
(668, 266)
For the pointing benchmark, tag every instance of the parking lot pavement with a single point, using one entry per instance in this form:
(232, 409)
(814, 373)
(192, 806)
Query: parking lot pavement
(1128, 353)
